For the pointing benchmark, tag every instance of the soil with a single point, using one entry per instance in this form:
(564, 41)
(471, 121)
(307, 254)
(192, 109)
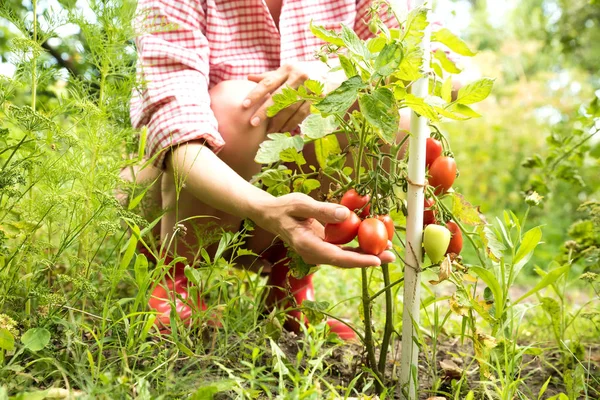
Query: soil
(453, 359)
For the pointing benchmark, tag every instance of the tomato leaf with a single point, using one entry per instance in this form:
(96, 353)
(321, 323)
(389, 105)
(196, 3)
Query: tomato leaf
(354, 44)
(286, 98)
(475, 91)
(347, 66)
(326, 147)
(445, 62)
(464, 110)
(495, 248)
(388, 59)
(410, 66)
(316, 126)
(453, 42)
(270, 149)
(326, 35)
(340, 99)
(416, 22)
(419, 106)
(465, 212)
(447, 90)
(36, 339)
(7, 340)
(306, 186)
(379, 111)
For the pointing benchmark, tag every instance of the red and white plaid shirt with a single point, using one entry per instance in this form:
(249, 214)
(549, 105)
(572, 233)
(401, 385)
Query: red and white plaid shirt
(195, 44)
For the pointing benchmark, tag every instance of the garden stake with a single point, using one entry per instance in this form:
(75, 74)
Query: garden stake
(414, 233)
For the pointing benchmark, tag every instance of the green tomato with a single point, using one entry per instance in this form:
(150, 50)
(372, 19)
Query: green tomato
(436, 240)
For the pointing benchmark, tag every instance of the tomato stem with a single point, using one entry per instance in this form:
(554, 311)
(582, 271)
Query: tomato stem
(389, 319)
(369, 330)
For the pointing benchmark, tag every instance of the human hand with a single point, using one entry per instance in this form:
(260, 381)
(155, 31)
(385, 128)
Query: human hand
(273, 82)
(297, 219)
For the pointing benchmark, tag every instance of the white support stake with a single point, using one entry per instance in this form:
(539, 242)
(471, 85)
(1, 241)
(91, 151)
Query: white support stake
(414, 232)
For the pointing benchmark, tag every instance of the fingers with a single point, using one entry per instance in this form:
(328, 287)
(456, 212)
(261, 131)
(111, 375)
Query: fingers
(270, 82)
(296, 119)
(303, 206)
(316, 251)
(279, 122)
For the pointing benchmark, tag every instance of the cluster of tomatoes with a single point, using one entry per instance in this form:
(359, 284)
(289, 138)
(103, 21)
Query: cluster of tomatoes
(439, 240)
(373, 232)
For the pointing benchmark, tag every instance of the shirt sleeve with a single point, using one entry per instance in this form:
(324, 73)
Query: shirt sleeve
(173, 70)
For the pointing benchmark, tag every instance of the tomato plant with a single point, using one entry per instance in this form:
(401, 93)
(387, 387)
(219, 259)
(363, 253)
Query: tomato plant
(443, 173)
(372, 236)
(344, 231)
(436, 239)
(456, 240)
(389, 225)
(356, 202)
(433, 150)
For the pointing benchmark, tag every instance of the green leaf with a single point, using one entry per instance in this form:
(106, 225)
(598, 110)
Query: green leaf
(292, 156)
(306, 186)
(340, 99)
(313, 310)
(36, 339)
(475, 92)
(140, 270)
(325, 147)
(446, 63)
(326, 35)
(552, 308)
(286, 98)
(410, 67)
(447, 90)
(136, 200)
(347, 66)
(464, 110)
(452, 41)
(314, 87)
(530, 241)
(416, 22)
(270, 149)
(465, 212)
(354, 44)
(7, 340)
(419, 106)
(548, 279)
(388, 59)
(378, 109)
(316, 126)
(490, 280)
(494, 246)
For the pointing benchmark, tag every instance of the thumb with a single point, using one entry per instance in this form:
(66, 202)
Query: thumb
(321, 211)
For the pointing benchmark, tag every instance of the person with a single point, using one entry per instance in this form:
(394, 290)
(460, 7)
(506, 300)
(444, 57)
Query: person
(209, 69)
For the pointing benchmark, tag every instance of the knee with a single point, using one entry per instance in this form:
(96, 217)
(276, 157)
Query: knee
(241, 138)
(226, 103)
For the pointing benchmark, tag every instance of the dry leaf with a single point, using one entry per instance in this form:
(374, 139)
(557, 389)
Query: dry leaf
(451, 370)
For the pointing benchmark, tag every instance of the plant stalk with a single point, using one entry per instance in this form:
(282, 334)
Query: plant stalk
(369, 344)
(389, 319)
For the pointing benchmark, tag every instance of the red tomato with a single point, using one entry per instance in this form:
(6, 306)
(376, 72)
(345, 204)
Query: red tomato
(355, 201)
(456, 241)
(428, 214)
(372, 236)
(389, 225)
(434, 150)
(343, 232)
(443, 173)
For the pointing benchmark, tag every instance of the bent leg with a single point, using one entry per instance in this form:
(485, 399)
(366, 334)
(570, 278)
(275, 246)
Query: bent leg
(242, 142)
